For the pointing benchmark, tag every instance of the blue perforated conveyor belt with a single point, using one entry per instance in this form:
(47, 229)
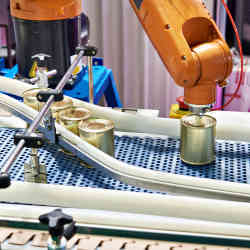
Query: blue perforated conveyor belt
(232, 162)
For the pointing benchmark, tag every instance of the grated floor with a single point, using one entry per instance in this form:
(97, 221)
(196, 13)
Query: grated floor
(232, 162)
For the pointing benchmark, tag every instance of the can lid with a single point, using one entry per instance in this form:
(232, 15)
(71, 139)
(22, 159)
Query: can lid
(96, 125)
(74, 114)
(65, 103)
(196, 121)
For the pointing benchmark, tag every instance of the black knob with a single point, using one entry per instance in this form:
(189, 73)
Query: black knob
(70, 231)
(56, 221)
(4, 180)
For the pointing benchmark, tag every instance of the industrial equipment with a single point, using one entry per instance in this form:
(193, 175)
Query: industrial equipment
(148, 166)
(189, 56)
(196, 54)
(190, 60)
(52, 28)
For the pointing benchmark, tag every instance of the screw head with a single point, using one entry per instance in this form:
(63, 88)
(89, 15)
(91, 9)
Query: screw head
(167, 26)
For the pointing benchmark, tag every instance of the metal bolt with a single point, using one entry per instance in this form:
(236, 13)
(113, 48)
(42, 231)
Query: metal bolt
(167, 26)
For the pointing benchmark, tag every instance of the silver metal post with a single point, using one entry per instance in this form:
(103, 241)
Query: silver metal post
(91, 80)
(79, 27)
(48, 74)
(41, 115)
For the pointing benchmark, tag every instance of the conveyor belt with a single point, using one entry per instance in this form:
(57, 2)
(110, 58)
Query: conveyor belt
(232, 162)
(14, 239)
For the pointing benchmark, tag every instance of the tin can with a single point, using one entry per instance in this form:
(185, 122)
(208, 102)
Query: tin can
(198, 139)
(30, 99)
(71, 117)
(57, 107)
(99, 133)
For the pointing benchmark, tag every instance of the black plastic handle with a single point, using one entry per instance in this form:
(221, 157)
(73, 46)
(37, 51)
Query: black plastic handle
(56, 221)
(70, 231)
(88, 50)
(43, 96)
(5, 180)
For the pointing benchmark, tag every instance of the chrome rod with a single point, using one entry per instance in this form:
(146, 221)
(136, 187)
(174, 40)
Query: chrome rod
(79, 27)
(91, 80)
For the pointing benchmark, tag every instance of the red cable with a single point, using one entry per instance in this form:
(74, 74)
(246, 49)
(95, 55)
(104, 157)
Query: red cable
(241, 57)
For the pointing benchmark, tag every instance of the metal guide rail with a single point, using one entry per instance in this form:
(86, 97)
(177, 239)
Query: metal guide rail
(15, 239)
(154, 154)
(232, 162)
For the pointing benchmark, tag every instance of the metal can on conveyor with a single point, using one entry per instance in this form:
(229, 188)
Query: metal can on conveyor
(198, 139)
(99, 133)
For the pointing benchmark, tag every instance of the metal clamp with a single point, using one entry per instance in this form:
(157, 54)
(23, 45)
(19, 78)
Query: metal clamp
(44, 95)
(49, 123)
(32, 141)
(87, 50)
(35, 172)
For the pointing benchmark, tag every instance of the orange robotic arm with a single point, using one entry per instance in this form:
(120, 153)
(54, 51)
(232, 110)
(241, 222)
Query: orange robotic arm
(182, 31)
(189, 44)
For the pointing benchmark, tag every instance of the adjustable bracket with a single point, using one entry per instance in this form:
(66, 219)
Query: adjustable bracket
(87, 50)
(44, 95)
(32, 141)
(49, 121)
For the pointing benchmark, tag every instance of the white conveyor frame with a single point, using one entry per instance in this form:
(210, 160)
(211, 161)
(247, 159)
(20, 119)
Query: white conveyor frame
(231, 214)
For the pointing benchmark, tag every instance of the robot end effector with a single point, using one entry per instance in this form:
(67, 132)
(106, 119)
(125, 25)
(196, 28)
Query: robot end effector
(189, 44)
(215, 62)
